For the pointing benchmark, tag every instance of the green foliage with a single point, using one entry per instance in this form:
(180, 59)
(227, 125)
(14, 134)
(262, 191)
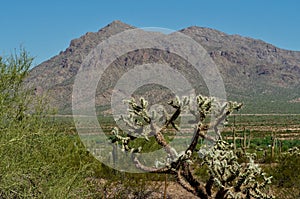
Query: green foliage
(38, 158)
(287, 172)
(13, 98)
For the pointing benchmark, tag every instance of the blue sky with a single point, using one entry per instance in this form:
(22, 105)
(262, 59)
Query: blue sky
(46, 27)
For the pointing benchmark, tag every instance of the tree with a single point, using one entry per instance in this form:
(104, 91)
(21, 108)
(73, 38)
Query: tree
(38, 159)
(227, 178)
(13, 97)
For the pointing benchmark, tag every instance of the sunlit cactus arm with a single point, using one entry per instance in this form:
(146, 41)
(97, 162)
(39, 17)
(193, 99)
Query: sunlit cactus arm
(139, 109)
(138, 112)
(222, 111)
(123, 140)
(139, 116)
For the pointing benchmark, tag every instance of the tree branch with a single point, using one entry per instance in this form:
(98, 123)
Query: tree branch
(139, 165)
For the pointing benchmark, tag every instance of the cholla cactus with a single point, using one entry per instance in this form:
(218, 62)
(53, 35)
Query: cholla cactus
(232, 179)
(228, 178)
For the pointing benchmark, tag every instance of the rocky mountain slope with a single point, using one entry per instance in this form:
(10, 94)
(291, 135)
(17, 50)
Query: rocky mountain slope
(253, 71)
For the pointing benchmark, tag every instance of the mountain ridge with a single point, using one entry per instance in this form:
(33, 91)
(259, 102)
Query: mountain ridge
(249, 67)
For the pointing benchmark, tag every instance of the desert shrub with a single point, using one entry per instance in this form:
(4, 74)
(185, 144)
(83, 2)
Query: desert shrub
(39, 159)
(286, 174)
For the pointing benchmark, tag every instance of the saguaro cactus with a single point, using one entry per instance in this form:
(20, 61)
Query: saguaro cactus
(228, 178)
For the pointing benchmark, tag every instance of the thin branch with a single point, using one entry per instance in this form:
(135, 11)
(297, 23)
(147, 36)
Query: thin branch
(139, 165)
(174, 116)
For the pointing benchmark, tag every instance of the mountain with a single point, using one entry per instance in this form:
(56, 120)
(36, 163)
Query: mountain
(264, 77)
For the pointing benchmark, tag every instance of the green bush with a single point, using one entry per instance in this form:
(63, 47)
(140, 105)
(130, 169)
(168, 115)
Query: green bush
(286, 173)
(38, 159)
